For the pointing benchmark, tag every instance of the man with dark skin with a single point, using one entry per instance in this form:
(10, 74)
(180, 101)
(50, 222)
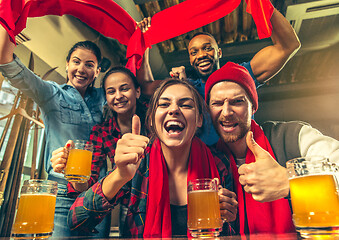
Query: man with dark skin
(204, 53)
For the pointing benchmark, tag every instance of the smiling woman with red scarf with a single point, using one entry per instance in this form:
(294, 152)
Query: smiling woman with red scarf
(150, 176)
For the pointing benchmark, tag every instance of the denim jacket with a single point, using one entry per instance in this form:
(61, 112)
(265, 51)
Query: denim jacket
(65, 113)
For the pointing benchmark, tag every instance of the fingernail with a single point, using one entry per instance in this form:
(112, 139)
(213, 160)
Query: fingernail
(68, 145)
(252, 137)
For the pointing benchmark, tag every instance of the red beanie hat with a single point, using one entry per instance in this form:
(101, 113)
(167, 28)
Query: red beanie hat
(234, 73)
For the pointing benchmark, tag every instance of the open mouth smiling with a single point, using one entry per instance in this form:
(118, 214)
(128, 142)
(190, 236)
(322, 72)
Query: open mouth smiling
(174, 126)
(80, 78)
(204, 64)
(228, 126)
(120, 104)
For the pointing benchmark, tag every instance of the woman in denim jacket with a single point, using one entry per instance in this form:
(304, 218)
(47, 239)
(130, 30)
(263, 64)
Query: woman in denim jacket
(69, 110)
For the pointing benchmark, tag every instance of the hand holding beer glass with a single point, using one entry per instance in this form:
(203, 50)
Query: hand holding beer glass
(204, 218)
(78, 166)
(35, 214)
(314, 195)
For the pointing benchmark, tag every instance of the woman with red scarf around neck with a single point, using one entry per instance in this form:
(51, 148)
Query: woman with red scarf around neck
(150, 176)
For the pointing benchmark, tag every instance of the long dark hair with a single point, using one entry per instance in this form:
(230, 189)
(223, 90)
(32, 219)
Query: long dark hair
(91, 46)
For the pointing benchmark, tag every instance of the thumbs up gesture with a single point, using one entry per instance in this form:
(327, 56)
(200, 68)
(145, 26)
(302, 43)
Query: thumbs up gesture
(129, 151)
(265, 178)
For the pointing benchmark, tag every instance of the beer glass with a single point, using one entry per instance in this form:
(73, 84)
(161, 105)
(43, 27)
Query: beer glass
(204, 218)
(78, 166)
(314, 195)
(35, 213)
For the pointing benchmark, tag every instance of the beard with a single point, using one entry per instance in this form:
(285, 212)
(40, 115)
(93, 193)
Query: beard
(243, 125)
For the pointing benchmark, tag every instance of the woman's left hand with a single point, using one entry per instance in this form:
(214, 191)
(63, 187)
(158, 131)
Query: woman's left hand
(228, 204)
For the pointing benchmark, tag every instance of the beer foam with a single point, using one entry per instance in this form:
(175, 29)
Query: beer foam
(203, 190)
(38, 194)
(316, 174)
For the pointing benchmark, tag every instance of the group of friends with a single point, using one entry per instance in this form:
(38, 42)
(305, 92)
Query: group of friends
(158, 137)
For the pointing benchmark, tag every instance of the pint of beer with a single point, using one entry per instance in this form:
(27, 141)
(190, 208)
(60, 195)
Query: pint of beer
(314, 195)
(204, 218)
(35, 213)
(78, 166)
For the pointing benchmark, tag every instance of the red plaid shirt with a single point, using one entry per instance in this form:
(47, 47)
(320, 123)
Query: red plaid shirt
(92, 206)
(104, 138)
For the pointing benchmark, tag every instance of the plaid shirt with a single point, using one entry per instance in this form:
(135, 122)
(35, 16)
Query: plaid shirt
(104, 138)
(92, 206)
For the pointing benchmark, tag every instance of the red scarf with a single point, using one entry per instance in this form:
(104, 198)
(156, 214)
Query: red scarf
(108, 18)
(158, 212)
(268, 217)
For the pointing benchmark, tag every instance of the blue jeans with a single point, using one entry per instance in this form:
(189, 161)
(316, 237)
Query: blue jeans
(61, 229)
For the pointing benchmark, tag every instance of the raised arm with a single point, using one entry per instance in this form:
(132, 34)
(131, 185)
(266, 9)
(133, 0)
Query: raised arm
(271, 59)
(6, 47)
(144, 74)
(145, 77)
(129, 151)
(20, 76)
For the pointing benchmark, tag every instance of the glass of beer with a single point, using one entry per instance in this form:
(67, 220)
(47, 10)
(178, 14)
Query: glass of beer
(78, 166)
(204, 218)
(314, 195)
(35, 213)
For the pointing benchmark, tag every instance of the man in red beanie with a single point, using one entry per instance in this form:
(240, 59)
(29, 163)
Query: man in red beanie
(204, 54)
(258, 154)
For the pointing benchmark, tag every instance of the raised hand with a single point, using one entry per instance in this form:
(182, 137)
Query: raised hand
(178, 72)
(144, 24)
(129, 151)
(228, 204)
(60, 156)
(265, 179)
